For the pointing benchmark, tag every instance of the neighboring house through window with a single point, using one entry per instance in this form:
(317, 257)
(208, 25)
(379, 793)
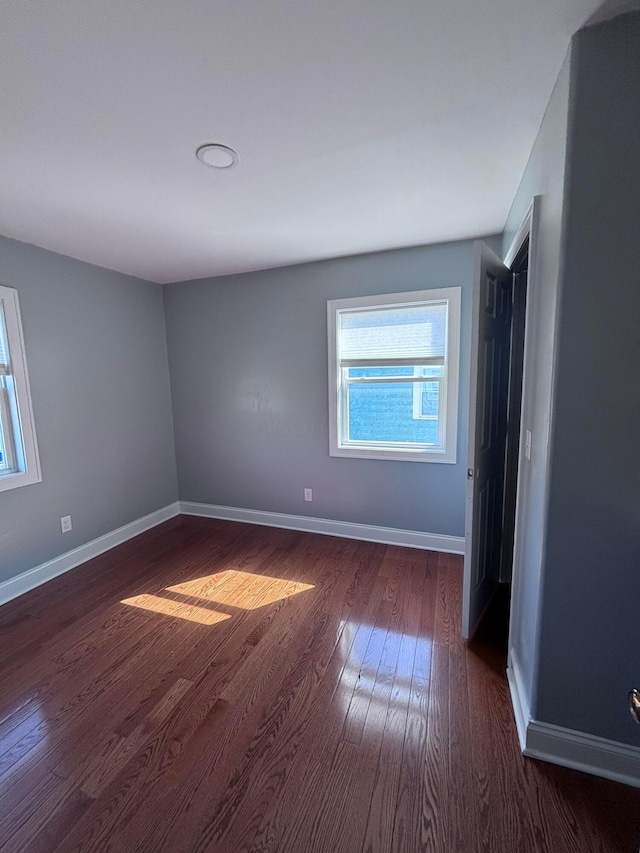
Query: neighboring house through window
(19, 463)
(393, 375)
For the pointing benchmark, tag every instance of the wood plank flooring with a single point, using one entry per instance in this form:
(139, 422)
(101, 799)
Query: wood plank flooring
(211, 686)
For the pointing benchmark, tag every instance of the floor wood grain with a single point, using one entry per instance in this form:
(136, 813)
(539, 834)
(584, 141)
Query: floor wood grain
(212, 686)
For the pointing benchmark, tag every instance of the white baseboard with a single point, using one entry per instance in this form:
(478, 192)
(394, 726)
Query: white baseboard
(328, 527)
(519, 699)
(582, 751)
(32, 578)
(566, 747)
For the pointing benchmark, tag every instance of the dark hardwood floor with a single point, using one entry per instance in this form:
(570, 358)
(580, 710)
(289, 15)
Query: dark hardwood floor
(211, 686)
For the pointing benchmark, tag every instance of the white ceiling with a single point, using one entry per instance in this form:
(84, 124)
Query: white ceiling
(360, 125)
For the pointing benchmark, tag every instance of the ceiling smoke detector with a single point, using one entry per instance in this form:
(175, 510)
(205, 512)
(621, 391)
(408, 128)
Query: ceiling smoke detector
(217, 156)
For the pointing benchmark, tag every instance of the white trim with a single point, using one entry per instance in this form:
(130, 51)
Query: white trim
(567, 747)
(522, 233)
(32, 578)
(401, 451)
(328, 527)
(581, 751)
(24, 429)
(519, 699)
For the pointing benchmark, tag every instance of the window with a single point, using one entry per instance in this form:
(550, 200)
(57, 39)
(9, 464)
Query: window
(393, 375)
(19, 463)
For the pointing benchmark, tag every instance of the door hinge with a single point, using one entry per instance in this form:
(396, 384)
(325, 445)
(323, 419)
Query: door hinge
(469, 473)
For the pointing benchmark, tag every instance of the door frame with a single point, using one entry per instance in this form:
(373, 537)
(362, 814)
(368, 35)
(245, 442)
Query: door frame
(529, 229)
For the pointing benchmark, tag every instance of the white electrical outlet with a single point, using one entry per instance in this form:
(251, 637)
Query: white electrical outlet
(65, 524)
(308, 494)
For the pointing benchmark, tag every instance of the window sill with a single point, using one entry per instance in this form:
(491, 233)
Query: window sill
(20, 478)
(393, 454)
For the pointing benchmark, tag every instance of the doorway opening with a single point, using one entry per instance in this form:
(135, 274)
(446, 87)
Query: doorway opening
(497, 447)
(500, 613)
(520, 271)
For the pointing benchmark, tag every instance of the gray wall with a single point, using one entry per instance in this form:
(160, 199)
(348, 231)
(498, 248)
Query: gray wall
(544, 176)
(96, 351)
(590, 638)
(248, 362)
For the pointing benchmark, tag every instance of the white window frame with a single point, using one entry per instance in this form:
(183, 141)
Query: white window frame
(401, 451)
(16, 408)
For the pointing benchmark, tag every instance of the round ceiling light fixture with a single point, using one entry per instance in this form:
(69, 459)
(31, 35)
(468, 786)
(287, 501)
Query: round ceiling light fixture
(217, 156)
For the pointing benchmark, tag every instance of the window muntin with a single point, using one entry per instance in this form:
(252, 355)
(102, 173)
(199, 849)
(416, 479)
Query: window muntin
(394, 374)
(19, 463)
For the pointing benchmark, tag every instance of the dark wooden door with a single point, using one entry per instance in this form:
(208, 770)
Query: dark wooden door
(490, 351)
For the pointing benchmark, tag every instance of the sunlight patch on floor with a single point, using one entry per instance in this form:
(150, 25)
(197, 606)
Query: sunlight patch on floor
(244, 590)
(168, 607)
(230, 589)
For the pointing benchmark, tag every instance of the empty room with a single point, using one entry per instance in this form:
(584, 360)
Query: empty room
(319, 400)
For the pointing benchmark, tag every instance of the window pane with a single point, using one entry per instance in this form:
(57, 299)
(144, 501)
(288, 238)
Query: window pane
(3, 416)
(4, 344)
(431, 371)
(430, 399)
(383, 411)
(383, 371)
